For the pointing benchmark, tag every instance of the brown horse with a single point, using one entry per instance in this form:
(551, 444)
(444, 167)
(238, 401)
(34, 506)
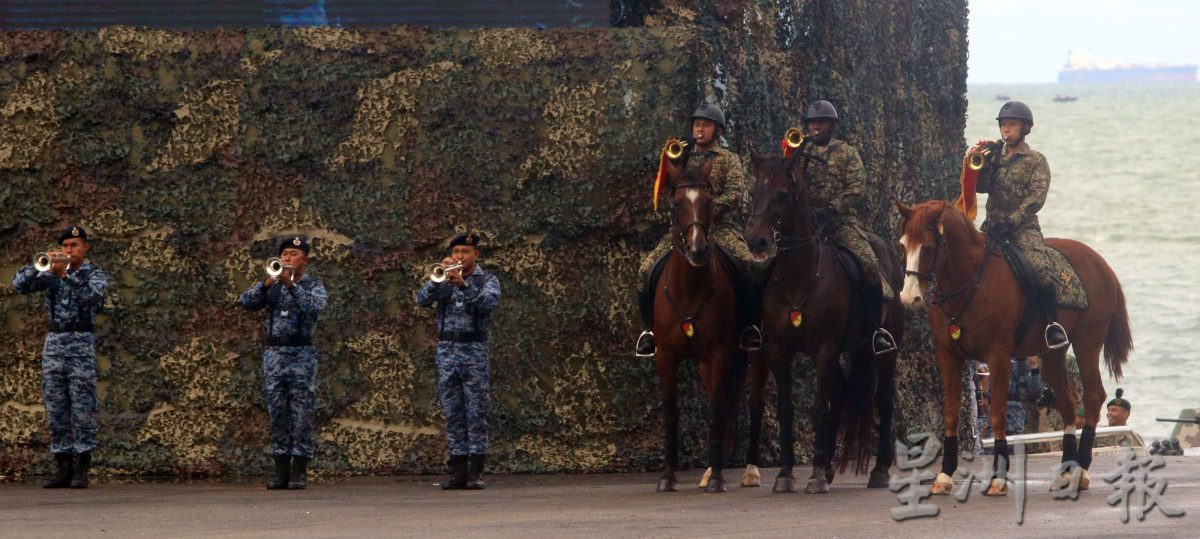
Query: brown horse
(812, 304)
(976, 306)
(694, 318)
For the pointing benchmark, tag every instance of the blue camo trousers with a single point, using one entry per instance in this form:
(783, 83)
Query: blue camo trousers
(69, 393)
(290, 374)
(463, 387)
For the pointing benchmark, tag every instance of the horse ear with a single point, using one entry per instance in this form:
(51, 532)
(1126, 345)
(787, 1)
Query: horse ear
(905, 211)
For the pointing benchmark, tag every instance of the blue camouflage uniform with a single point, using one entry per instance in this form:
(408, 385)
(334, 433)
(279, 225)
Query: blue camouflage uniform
(69, 355)
(463, 354)
(1024, 387)
(290, 360)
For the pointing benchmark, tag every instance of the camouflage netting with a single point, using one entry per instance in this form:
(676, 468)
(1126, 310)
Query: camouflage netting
(186, 152)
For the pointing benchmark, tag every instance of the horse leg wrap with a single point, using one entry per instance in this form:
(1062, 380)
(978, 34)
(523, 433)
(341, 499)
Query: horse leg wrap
(1001, 459)
(1069, 448)
(1086, 440)
(950, 456)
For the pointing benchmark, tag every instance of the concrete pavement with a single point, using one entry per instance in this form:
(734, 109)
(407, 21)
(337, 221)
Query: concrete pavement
(589, 506)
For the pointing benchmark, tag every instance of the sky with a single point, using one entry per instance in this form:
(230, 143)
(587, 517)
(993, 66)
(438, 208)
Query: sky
(1027, 41)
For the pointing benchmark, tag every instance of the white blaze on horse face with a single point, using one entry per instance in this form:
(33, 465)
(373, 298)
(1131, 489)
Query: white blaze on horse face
(911, 293)
(693, 195)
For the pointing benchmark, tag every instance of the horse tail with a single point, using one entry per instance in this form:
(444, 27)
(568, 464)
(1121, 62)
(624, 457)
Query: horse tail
(1118, 343)
(858, 411)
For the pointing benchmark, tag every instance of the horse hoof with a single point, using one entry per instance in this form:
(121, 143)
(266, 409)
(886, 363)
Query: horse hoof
(784, 485)
(1062, 482)
(751, 477)
(1084, 481)
(878, 480)
(666, 485)
(715, 485)
(704, 478)
(817, 485)
(942, 485)
(998, 487)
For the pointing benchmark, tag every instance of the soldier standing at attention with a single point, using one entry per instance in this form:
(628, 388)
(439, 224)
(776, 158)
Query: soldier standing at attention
(836, 188)
(465, 301)
(293, 300)
(1017, 186)
(74, 292)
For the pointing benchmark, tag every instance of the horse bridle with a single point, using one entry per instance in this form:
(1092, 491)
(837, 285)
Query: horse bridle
(681, 233)
(784, 243)
(937, 297)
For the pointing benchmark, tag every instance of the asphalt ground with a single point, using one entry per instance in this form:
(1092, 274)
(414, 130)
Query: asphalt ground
(585, 506)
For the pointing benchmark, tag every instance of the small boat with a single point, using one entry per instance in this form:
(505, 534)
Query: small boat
(1002, 97)
(1061, 98)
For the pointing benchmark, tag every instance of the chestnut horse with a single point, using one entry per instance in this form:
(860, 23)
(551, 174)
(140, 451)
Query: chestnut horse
(975, 308)
(812, 304)
(694, 318)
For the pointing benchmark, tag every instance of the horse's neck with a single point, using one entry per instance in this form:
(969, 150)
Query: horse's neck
(800, 228)
(685, 277)
(965, 250)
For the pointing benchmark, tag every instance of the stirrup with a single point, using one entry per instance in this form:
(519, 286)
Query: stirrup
(638, 350)
(885, 347)
(751, 339)
(1065, 340)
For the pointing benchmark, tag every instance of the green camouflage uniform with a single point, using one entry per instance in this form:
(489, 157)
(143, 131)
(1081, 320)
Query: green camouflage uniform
(730, 188)
(1017, 189)
(837, 187)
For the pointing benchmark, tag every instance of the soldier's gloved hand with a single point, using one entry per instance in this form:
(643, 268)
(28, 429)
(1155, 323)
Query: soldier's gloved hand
(1001, 230)
(1046, 400)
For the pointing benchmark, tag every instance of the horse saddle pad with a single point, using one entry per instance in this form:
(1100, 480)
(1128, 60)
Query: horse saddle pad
(1071, 294)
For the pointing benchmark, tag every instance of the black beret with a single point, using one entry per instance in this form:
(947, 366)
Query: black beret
(294, 242)
(72, 231)
(470, 238)
(1118, 401)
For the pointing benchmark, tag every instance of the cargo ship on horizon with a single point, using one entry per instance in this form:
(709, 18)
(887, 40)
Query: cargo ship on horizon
(1081, 68)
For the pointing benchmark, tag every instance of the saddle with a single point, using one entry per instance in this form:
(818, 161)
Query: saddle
(1068, 288)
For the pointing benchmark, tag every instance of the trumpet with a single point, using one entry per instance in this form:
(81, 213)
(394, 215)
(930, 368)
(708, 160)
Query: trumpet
(438, 273)
(43, 261)
(675, 148)
(794, 137)
(976, 157)
(275, 267)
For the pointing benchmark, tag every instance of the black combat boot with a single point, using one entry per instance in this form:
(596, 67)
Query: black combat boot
(457, 480)
(1056, 336)
(475, 478)
(299, 477)
(83, 462)
(63, 472)
(645, 341)
(282, 468)
(882, 342)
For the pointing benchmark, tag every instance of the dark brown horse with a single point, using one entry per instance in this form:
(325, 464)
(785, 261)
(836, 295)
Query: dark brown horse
(975, 308)
(812, 304)
(694, 318)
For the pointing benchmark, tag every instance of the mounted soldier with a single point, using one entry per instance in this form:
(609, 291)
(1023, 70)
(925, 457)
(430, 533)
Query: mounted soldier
(1017, 180)
(729, 188)
(837, 178)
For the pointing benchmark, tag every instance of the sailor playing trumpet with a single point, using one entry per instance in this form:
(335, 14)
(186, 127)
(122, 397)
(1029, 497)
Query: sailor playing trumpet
(292, 300)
